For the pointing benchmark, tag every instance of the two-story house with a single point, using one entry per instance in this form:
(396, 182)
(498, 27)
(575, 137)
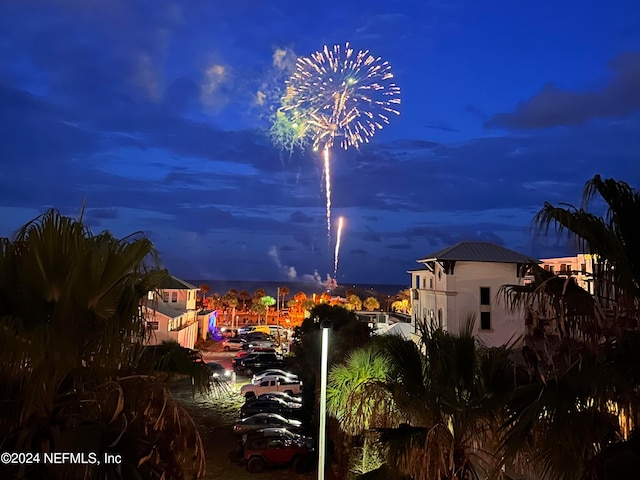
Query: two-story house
(171, 313)
(465, 279)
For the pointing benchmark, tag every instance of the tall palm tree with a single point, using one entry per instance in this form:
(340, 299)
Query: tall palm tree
(284, 291)
(579, 348)
(614, 241)
(244, 297)
(204, 289)
(71, 328)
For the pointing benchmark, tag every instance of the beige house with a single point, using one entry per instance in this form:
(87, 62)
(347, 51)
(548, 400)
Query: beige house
(171, 313)
(464, 279)
(580, 267)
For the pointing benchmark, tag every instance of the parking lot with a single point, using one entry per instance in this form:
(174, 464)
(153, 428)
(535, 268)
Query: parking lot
(215, 416)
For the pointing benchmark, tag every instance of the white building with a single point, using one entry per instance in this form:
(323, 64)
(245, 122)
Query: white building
(580, 267)
(465, 279)
(171, 314)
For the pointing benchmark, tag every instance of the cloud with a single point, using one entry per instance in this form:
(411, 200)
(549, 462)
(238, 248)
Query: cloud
(284, 59)
(553, 106)
(300, 217)
(213, 94)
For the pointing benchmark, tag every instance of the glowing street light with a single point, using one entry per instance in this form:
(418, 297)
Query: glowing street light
(325, 325)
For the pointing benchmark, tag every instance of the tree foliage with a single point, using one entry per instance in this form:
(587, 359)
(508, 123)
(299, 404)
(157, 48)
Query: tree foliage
(71, 327)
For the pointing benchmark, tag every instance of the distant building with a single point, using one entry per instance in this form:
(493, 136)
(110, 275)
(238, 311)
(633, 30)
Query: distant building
(171, 314)
(580, 268)
(464, 279)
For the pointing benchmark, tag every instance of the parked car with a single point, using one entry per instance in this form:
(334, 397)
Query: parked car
(277, 446)
(273, 405)
(282, 396)
(257, 336)
(260, 343)
(243, 354)
(218, 371)
(257, 378)
(265, 420)
(233, 344)
(258, 362)
(272, 384)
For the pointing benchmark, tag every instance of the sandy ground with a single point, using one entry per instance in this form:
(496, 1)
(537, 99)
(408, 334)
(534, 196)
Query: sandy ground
(215, 416)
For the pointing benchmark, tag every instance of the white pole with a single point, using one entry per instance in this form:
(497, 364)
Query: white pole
(323, 402)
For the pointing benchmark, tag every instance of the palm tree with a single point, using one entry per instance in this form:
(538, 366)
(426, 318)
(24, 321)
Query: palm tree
(443, 407)
(244, 296)
(268, 302)
(284, 291)
(71, 327)
(231, 301)
(580, 349)
(204, 289)
(613, 240)
(259, 309)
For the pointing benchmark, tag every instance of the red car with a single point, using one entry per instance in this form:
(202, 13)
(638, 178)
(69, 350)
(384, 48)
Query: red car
(277, 446)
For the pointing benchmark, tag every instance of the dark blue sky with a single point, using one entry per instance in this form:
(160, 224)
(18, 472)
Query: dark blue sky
(147, 109)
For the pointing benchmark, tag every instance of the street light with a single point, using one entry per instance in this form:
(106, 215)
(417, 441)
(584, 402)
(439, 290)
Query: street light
(325, 325)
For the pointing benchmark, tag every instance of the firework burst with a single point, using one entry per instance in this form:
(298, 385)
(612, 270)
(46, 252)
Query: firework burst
(339, 94)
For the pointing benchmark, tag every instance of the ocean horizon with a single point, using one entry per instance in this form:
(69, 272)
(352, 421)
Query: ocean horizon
(310, 287)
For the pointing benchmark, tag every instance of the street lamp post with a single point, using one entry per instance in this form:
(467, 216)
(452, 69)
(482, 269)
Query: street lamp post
(325, 325)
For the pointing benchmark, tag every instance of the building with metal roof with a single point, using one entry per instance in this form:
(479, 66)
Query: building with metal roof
(463, 281)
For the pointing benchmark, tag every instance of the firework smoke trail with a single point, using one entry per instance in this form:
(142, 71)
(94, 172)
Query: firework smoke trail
(338, 239)
(327, 180)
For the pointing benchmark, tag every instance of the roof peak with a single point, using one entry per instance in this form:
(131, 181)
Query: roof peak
(478, 252)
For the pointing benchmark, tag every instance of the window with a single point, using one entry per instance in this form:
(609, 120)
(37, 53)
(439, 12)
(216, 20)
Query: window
(485, 297)
(189, 295)
(583, 268)
(485, 320)
(174, 297)
(165, 296)
(431, 283)
(551, 269)
(440, 317)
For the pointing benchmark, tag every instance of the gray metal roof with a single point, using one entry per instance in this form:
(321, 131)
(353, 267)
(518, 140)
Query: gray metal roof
(174, 283)
(478, 252)
(168, 310)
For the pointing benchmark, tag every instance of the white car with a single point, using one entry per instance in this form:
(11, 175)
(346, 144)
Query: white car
(272, 384)
(272, 372)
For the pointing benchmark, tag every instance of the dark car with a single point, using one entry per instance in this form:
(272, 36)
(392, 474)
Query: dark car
(277, 446)
(272, 405)
(250, 354)
(218, 371)
(281, 396)
(258, 362)
(264, 420)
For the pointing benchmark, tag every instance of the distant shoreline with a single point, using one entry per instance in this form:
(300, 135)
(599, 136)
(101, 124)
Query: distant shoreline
(271, 287)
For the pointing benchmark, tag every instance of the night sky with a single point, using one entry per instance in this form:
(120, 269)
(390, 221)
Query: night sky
(156, 113)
